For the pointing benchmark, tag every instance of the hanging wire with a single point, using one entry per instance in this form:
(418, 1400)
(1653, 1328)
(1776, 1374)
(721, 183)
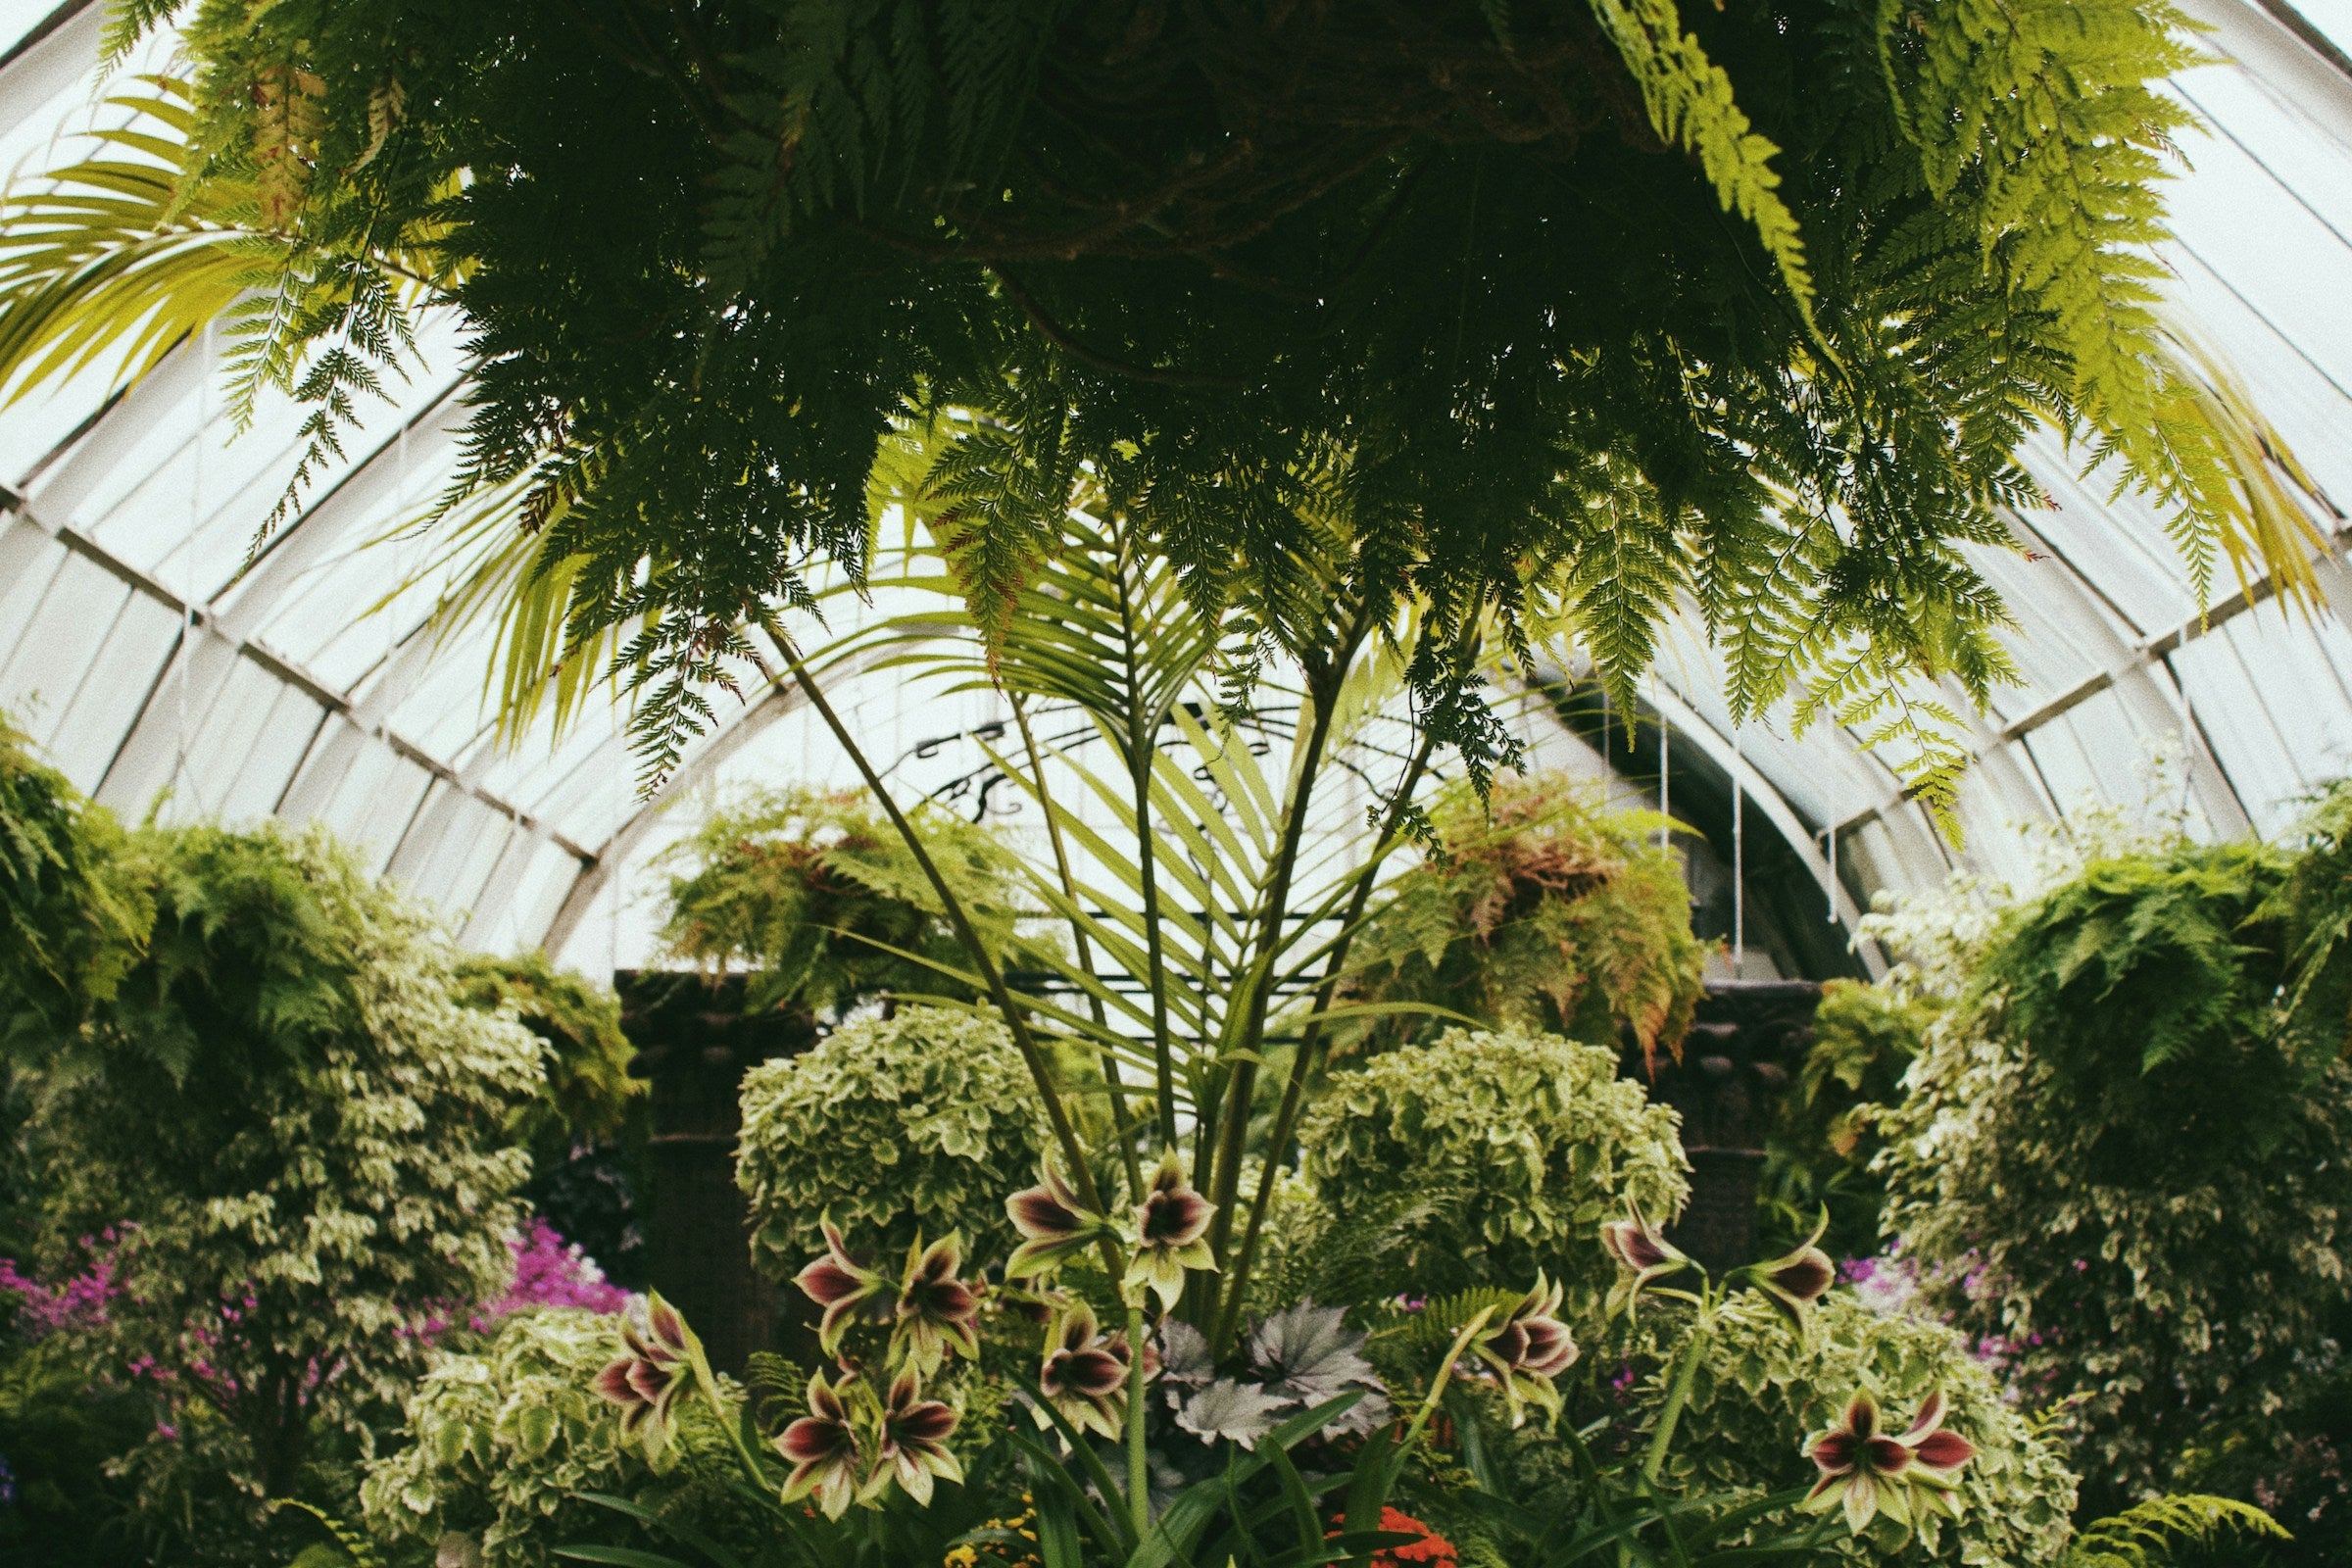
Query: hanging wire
(1608, 771)
(400, 536)
(2189, 718)
(1830, 833)
(1739, 858)
(621, 806)
(1665, 773)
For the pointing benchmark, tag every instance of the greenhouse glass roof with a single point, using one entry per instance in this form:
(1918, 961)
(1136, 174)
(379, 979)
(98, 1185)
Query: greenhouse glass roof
(167, 664)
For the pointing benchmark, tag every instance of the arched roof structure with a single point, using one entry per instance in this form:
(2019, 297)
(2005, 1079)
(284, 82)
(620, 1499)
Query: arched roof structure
(166, 664)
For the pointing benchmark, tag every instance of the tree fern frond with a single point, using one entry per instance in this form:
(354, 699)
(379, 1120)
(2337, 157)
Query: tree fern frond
(1691, 105)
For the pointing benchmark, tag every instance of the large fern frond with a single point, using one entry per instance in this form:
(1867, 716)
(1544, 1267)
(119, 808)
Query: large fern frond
(2149, 1534)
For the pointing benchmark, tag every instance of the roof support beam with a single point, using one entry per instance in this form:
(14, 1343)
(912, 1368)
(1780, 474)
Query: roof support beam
(207, 623)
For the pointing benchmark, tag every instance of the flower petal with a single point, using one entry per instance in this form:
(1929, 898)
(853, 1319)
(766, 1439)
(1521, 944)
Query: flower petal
(1943, 1450)
(1836, 1451)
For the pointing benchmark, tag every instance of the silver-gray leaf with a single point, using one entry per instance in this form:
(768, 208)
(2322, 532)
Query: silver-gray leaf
(1308, 1352)
(1240, 1412)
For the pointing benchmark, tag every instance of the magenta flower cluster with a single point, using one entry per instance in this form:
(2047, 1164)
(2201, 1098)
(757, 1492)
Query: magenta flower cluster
(78, 1301)
(550, 1271)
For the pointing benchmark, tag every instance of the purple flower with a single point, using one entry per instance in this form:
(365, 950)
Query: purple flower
(550, 1271)
(76, 1303)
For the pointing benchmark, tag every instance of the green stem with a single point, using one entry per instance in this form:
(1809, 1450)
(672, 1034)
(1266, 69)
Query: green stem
(732, 1421)
(1445, 1375)
(1143, 750)
(1257, 996)
(1678, 1395)
(1113, 1087)
(1138, 1479)
(1303, 1060)
(1016, 1022)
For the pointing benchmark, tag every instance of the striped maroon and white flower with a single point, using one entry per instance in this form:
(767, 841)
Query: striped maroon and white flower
(842, 1286)
(1084, 1375)
(1052, 1224)
(1527, 1347)
(936, 1312)
(911, 1444)
(821, 1447)
(1796, 1280)
(1643, 1256)
(1868, 1472)
(653, 1372)
(1171, 1235)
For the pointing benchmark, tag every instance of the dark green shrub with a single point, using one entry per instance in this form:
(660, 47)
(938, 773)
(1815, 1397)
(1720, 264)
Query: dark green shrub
(1824, 1134)
(302, 1138)
(2127, 1165)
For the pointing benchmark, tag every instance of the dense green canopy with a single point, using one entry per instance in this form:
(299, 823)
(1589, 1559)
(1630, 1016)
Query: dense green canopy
(1577, 303)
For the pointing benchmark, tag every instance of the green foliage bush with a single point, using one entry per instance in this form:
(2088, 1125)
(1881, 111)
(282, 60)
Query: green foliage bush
(58, 1426)
(497, 1440)
(1540, 907)
(2125, 1163)
(65, 917)
(922, 1122)
(301, 1135)
(1824, 1133)
(820, 898)
(1479, 1158)
(1761, 1389)
(588, 1092)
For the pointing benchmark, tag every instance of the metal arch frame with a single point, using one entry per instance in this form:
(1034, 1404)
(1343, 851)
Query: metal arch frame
(1689, 724)
(251, 596)
(2130, 669)
(337, 704)
(778, 702)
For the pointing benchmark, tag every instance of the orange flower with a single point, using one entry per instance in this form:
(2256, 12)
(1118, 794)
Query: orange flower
(1427, 1548)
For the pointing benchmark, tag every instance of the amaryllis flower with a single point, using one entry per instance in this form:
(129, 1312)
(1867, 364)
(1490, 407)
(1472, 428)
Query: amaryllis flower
(1171, 1235)
(936, 1311)
(821, 1447)
(1053, 1223)
(655, 1367)
(912, 1439)
(1527, 1347)
(1642, 1256)
(1085, 1373)
(1871, 1473)
(1796, 1280)
(841, 1285)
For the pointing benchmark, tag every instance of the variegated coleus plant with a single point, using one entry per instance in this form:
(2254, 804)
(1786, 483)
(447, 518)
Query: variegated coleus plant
(1186, 1421)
